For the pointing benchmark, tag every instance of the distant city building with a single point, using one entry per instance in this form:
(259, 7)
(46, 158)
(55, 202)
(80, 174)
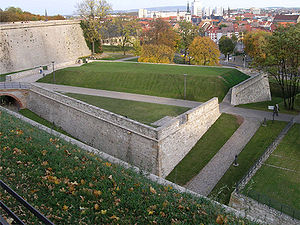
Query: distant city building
(218, 11)
(143, 13)
(196, 8)
(188, 15)
(255, 10)
(287, 19)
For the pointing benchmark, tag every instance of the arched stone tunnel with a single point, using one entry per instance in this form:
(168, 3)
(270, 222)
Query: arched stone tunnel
(13, 99)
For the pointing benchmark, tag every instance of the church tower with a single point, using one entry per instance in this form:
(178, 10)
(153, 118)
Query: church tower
(188, 15)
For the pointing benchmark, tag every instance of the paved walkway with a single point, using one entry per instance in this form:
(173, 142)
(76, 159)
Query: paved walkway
(224, 107)
(210, 175)
(126, 59)
(120, 95)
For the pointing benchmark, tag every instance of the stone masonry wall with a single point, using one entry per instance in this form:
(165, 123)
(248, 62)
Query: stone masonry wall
(157, 150)
(116, 135)
(29, 45)
(178, 137)
(262, 212)
(255, 89)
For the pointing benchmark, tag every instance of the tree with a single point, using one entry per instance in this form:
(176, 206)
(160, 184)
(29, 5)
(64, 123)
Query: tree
(156, 54)
(93, 12)
(226, 46)
(91, 30)
(204, 51)
(283, 61)
(126, 30)
(187, 32)
(161, 33)
(255, 43)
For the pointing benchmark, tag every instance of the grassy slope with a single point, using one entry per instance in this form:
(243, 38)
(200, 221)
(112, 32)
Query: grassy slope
(204, 150)
(70, 186)
(281, 185)
(140, 111)
(252, 151)
(151, 79)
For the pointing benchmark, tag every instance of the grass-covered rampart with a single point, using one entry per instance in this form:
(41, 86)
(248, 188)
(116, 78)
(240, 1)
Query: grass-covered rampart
(71, 186)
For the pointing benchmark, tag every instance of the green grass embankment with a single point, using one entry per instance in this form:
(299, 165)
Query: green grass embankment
(143, 112)
(70, 186)
(203, 83)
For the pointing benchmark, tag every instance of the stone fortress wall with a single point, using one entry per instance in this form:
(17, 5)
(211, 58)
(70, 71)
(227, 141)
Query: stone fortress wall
(157, 150)
(254, 89)
(29, 45)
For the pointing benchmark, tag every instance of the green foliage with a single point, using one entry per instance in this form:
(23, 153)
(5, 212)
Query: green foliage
(203, 83)
(143, 112)
(156, 54)
(187, 32)
(255, 44)
(283, 61)
(226, 45)
(246, 159)
(91, 32)
(71, 186)
(205, 149)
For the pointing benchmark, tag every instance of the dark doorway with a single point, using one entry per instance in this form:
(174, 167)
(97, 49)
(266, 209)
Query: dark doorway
(10, 103)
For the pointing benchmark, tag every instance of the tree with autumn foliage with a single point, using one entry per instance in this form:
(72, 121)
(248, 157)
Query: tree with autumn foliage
(187, 32)
(255, 43)
(159, 43)
(156, 54)
(161, 33)
(203, 51)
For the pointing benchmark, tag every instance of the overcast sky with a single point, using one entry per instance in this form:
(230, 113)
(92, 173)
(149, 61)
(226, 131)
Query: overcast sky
(67, 7)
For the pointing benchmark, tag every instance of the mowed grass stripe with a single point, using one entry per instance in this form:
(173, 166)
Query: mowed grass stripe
(205, 149)
(246, 159)
(203, 83)
(281, 185)
(140, 111)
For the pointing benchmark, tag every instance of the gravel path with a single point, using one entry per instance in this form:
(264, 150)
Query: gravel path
(210, 175)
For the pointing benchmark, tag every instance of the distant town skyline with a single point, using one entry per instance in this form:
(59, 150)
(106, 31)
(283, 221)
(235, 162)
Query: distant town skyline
(68, 7)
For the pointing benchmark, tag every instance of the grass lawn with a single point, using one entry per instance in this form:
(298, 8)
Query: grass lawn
(275, 100)
(203, 83)
(115, 56)
(246, 159)
(279, 178)
(31, 115)
(143, 112)
(70, 186)
(112, 48)
(205, 149)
